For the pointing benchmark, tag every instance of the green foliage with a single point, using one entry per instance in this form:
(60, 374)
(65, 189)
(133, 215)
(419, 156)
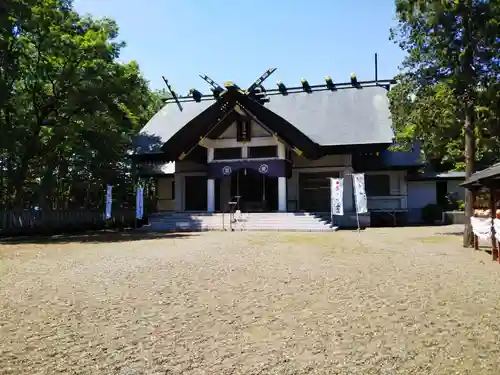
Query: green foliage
(68, 108)
(449, 79)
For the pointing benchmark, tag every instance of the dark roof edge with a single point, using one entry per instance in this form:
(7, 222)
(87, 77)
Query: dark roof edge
(353, 148)
(434, 178)
(490, 175)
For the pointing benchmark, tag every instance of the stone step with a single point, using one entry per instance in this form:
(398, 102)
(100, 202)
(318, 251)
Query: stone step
(258, 221)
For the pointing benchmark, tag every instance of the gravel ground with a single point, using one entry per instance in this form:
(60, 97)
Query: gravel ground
(385, 301)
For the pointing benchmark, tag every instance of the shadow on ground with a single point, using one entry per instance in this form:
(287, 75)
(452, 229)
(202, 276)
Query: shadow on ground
(93, 237)
(451, 233)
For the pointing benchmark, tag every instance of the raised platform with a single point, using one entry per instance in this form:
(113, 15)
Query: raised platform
(255, 221)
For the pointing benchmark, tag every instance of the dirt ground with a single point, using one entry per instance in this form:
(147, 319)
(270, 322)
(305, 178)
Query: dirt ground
(385, 301)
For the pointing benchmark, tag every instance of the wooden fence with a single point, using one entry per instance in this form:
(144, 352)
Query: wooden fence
(31, 222)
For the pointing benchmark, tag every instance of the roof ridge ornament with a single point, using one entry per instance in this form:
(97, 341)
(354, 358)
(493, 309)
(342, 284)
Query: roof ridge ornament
(305, 85)
(195, 94)
(258, 82)
(217, 89)
(281, 87)
(354, 81)
(329, 83)
(172, 92)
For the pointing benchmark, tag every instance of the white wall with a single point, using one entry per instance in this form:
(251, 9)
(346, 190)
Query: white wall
(398, 198)
(164, 194)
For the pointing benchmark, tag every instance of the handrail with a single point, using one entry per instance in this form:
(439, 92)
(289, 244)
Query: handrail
(231, 205)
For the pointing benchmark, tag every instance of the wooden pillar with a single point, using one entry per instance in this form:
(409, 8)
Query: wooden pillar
(494, 247)
(476, 240)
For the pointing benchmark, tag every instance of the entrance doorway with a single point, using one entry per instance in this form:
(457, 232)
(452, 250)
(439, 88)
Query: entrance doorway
(257, 192)
(314, 191)
(196, 193)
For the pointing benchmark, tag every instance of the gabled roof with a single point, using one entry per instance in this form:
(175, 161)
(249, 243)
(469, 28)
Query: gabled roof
(186, 138)
(343, 116)
(168, 121)
(346, 116)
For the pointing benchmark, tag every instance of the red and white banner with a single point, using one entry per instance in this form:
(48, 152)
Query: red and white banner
(337, 196)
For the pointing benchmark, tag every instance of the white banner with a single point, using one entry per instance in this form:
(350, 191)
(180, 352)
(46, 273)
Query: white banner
(139, 202)
(359, 192)
(337, 196)
(496, 224)
(481, 226)
(109, 201)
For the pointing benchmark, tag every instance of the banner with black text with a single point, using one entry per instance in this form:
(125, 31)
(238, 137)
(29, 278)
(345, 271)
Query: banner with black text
(337, 196)
(359, 193)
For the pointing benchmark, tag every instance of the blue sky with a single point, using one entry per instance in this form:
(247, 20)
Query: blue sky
(234, 40)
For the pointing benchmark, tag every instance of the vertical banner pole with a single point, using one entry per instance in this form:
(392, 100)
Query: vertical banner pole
(357, 219)
(356, 203)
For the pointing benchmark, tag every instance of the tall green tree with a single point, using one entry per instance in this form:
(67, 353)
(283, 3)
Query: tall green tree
(450, 71)
(69, 109)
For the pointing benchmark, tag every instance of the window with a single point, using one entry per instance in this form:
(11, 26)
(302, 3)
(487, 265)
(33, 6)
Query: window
(378, 185)
(227, 153)
(263, 152)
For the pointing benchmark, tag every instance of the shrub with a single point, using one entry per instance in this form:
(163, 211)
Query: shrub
(432, 213)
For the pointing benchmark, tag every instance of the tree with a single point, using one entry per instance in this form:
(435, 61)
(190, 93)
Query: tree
(69, 108)
(451, 69)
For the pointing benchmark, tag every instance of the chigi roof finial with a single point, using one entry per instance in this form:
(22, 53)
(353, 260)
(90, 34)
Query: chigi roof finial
(172, 92)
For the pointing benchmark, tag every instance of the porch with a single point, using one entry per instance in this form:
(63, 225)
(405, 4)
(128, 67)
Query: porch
(303, 189)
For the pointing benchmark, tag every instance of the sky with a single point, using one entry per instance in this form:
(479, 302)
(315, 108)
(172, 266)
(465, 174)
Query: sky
(235, 40)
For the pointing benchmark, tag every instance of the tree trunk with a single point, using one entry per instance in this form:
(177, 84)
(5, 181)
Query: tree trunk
(469, 85)
(470, 150)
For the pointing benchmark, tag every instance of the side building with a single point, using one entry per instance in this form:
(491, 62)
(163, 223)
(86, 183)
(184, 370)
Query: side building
(276, 149)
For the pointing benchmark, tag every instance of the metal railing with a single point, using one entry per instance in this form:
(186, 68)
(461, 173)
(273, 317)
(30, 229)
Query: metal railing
(230, 208)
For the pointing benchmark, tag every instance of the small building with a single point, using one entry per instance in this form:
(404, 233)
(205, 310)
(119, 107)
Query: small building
(433, 188)
(276, 149)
